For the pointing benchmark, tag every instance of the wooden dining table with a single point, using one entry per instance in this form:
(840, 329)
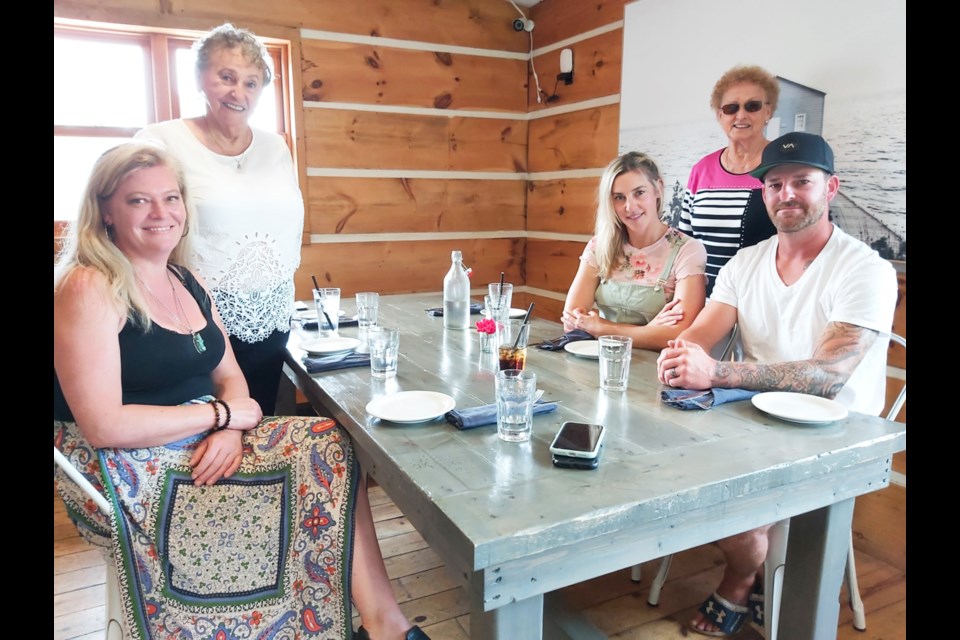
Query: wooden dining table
(512, 528)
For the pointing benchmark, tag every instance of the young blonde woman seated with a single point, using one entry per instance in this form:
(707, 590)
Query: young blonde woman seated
(225, 524)
(636, 269)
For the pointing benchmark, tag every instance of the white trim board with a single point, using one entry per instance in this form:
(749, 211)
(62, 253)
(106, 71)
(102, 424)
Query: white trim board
(583, 105)
(416, 111)
(580, 37)
(414, 45)
(336, 172)
(347, 238)
(419, 45)
(339, 172)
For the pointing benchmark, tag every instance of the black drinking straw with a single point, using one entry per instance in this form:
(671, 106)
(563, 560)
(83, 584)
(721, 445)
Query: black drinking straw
(500, 299)
(322, 310)
(526, 320)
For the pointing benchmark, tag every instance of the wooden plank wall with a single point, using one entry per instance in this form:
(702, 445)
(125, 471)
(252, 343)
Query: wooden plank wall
(571, 138)
(412, 131)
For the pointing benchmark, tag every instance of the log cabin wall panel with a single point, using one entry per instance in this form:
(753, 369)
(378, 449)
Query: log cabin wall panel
(558, 20)
(464, 23)
(565, 205)
(551, 264)
(369, 74)
(407, 267)
(576, 134)
(897, 356)
(413, 205)
(372, 140)
(486, 72)
(596, 71)
(584, 139)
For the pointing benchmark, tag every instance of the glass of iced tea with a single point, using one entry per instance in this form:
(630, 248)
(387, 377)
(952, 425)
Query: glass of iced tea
(512, 336)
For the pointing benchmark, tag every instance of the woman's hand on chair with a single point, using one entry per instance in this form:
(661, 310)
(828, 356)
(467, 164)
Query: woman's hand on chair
(217, 456)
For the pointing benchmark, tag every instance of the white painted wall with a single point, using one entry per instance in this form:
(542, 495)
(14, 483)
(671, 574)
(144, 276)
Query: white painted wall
(852, 50)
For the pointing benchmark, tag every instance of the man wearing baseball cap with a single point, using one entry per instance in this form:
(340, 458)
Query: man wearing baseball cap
(813, 307)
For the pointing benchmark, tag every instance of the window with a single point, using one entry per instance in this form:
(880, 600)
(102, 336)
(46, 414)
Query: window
(800, 122)
(111, 82)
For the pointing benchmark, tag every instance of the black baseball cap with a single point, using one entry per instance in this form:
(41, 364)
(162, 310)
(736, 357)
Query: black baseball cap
(796, 147)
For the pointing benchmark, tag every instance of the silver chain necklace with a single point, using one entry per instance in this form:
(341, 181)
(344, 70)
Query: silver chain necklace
(238, 159)
(197, 338)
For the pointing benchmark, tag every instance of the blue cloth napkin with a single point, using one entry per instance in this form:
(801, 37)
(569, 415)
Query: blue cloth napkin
(437, 312)
(487, 414)
(557, 344)
(346, 321)
(686, 399)
(316, 364)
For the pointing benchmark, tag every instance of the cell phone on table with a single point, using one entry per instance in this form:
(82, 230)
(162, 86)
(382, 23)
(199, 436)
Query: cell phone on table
(569, 462)
(578, 440)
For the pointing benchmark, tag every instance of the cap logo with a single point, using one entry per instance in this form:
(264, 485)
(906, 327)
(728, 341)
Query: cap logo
(789, 145)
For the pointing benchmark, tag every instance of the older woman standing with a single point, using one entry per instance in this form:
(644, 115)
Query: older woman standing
(248, 203)
(722, 205)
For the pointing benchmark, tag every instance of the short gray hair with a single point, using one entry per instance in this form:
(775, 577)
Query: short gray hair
(227, 36)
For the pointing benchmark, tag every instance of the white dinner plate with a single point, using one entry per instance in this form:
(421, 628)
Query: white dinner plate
(799, 407)
(512, 313)
(584, 349)
(407, 407)
(330, 346)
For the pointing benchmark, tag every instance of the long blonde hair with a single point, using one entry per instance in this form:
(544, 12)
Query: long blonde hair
(609, 230)
(88, 242)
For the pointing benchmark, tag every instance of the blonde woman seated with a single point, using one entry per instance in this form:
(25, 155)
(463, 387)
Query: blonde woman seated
(636, 269)
(224, 524)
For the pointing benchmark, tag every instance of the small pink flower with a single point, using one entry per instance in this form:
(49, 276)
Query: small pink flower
(487, 325)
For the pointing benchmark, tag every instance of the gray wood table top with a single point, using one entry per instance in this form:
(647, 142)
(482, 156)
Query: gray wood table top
(667, 479)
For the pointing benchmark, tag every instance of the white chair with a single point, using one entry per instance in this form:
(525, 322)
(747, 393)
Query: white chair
(773, 567)
(113, 628)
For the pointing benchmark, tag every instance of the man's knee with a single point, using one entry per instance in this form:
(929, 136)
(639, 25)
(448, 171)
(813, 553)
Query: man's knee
(746, 542)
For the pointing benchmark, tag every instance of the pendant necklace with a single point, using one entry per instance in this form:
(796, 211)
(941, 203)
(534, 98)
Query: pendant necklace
(238, 159)
(197, 338)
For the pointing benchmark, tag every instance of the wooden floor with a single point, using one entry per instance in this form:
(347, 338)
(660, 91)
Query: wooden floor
(429, 597)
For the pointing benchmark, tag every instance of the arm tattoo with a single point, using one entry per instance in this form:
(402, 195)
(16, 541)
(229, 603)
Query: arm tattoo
(841, 348)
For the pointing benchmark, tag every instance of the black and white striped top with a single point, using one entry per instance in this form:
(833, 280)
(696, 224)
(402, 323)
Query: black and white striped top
(723, 210)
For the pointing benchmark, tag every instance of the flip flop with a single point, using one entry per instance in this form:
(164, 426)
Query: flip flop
(725, 615)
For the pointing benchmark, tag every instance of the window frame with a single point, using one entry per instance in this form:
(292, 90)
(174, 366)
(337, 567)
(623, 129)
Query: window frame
(163, 102)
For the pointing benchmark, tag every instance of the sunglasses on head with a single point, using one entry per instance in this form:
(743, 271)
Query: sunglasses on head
(750, 106)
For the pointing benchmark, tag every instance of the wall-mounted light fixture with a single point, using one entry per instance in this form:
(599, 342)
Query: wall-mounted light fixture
(566, 66)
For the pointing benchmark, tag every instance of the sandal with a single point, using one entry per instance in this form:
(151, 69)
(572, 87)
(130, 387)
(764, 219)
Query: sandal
(725, 615)
(755, 603)
(413, 633)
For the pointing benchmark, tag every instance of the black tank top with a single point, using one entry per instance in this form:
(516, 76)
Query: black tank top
(162, 367)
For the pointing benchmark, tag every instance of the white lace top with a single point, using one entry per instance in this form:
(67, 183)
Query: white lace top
(250, 222)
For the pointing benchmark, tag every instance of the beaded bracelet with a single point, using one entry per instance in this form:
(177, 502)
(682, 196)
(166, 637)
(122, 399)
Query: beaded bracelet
(216, 414)
(226, 408)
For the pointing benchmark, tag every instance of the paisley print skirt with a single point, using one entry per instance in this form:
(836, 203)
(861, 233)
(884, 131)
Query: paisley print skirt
(262, 555)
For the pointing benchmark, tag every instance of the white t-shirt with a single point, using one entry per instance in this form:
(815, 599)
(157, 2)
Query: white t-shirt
(248, 226)
(848, 282)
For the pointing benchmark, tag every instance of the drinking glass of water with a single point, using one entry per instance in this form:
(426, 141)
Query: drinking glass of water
(384, 344)
(615, 352)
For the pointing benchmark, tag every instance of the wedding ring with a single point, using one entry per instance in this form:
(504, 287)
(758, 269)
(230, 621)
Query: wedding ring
(674, 374)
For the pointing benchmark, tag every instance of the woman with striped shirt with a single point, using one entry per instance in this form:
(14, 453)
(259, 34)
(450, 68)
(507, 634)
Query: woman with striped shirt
(722, 205)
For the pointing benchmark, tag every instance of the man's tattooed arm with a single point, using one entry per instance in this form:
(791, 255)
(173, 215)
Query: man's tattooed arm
(841, 348)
